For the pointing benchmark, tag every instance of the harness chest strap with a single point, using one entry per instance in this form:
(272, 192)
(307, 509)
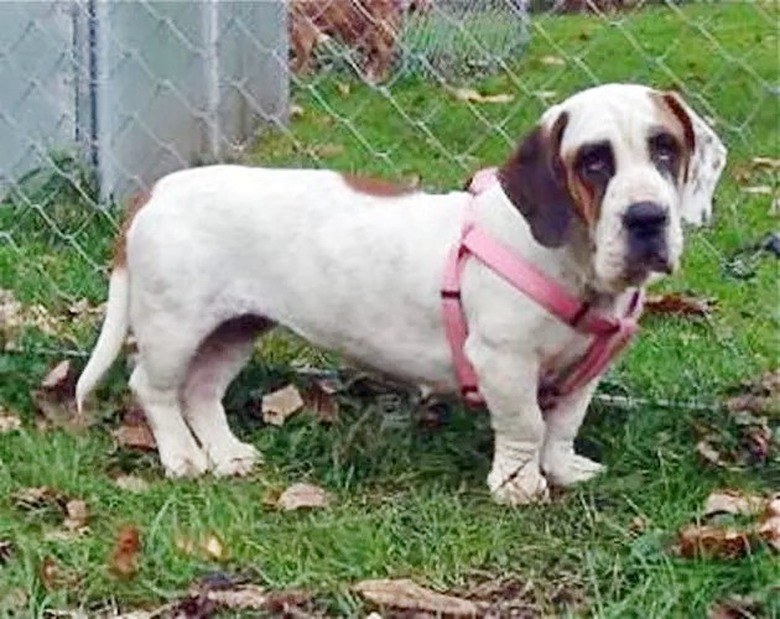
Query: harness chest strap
(611, 334)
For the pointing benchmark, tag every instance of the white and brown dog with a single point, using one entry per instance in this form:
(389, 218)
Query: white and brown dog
(594, 198)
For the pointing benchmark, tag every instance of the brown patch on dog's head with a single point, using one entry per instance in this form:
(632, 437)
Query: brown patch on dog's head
(377, 187)
(136, 203)
(674, 119)
(535, 181)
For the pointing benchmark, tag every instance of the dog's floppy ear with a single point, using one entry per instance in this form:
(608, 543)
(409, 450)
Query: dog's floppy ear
(534, 180)
(706, 163)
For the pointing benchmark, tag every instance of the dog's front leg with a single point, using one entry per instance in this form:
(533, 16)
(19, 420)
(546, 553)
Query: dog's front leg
(560, 463)
(508, 382)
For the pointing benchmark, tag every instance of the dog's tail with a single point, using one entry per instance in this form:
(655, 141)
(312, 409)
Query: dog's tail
(111, 337)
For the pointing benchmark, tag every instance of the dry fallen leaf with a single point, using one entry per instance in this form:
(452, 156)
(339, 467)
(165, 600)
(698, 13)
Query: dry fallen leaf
(54, 399)
(327, 150)
(343, 88)
(38, 497)
(9, 421)
(241, 597)
(134, 432)
(765, 162)
(296, 111)
(76, 516)
(211, 546)
(734, 502)
(320, 397)
(124, 559)
(298, 496)
(678, 304)
(735, 607)
(279, 405)
(406, 595)
(761, 396)
(131, 483)
(705, 449)
(53, 577)
(473, 96)
(769, 531)
(57, 378)
(712, 541)
(7, 550)
(214, 548)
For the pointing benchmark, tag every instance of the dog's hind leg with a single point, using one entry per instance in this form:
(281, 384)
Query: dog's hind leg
(217, 362)
(156, 383)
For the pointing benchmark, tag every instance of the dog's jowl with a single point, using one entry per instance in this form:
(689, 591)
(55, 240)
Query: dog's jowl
(590, 207)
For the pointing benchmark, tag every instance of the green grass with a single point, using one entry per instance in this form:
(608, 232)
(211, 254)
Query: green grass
(409, 501)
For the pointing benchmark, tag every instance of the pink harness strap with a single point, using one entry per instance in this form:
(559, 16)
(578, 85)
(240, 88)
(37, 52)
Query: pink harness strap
(611, 334)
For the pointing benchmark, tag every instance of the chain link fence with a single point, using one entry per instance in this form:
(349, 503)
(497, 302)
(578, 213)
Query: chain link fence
(101, 98)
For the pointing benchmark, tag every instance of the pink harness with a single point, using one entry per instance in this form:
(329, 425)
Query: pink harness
(611, 334)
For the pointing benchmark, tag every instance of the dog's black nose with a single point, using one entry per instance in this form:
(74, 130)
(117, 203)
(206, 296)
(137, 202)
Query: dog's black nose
(645, 218)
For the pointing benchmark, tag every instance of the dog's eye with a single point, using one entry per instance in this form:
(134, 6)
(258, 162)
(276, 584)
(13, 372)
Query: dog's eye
(596, 162)
(664, 149)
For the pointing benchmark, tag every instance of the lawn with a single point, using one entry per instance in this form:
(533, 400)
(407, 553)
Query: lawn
(408, 496)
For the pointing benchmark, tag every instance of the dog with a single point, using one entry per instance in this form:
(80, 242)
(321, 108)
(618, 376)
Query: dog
(594, 198)
(372, 26)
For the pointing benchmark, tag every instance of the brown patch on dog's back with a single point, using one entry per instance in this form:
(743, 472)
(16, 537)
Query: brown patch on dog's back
(136, 203)
(377, 187)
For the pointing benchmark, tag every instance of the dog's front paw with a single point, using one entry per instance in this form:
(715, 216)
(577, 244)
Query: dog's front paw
(237, 459)
(184, 463)
(565, 468)
(521, 486)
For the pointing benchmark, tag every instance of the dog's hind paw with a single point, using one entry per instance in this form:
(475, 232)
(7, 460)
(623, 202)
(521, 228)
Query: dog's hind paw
(568, 468)
(238, 460)
(192, 463)
(520, 487)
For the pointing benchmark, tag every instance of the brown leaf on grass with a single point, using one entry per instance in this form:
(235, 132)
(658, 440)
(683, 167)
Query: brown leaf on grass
(761, 396)
(60, 377)
(735, 607)
(474, 96)
(279, 405)
(240, 597)
(300, 496)
(344, 88)
(734, 502)
(769, 531)
(710, 541)
(76, 515)
(7, 550)
(211, 547)
(320, 397)
(54, 399)
(135, 433)
(765, 162)
(296, 111)
(124, 558)
(52, 576)
(38, 498)
(407, 595)
(9, 422)
(678, 305)
(14, 317)
(708, 453)
(327, 150)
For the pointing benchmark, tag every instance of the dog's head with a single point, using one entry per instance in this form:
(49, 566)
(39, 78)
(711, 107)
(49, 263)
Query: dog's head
(618, 168)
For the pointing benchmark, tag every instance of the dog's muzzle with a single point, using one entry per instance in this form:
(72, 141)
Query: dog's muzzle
(646, 224)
